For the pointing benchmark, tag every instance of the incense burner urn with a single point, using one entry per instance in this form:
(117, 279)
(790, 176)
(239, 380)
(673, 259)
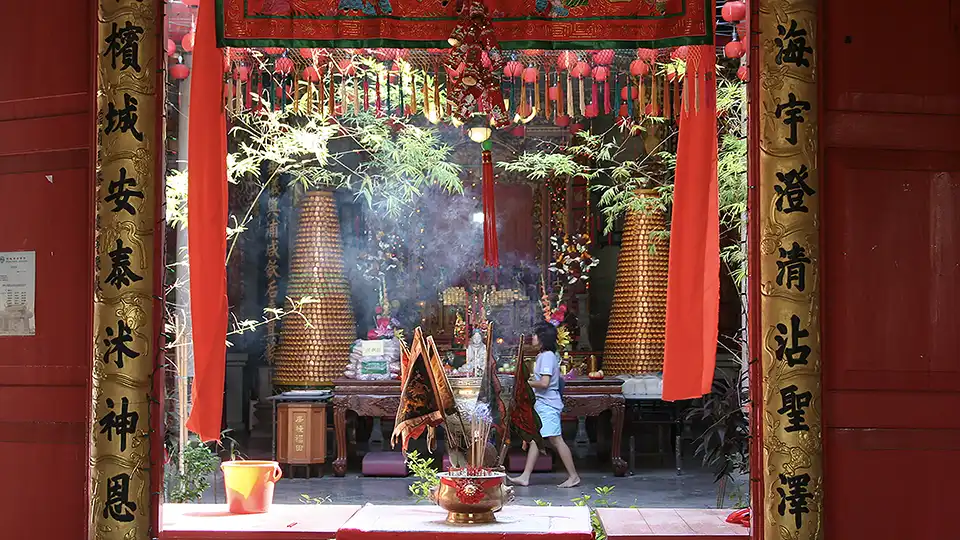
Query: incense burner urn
(471, 498)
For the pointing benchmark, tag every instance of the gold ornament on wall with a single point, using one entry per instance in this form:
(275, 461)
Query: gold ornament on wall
(126, 339)
(789, 212)
(314, 348)
(635, 335)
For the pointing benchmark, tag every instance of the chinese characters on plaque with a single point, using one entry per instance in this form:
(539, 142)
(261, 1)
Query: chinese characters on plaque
(18, 289)
(789, 269)
(125, 340)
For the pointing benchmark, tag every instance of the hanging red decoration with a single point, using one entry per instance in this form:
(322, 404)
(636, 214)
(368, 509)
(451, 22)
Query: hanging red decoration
(533, 52)
(733, 11)
(647, 55)
(530, 75)
(171, 47)
(575, 128)
(680, 53)
(478, 90)
(634, 92)
(310, 74)
(187, 41)
(639, 68)
(603, 58)
(179, 72)
(485, 61)
(567, 60)
(491, 249)
(191, 3)
(743, 73)
(242, 73)
(593, 110)
(347, 68)
(553, 92)
(562, 120)
(512, 69)
(601, 73)
(283, 66)
(274, 51)
(734, 49)
(581, 69)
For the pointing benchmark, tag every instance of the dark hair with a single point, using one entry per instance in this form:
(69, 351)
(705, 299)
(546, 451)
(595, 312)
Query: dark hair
(547, 334)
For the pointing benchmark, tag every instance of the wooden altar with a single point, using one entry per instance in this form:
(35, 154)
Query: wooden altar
(380, 399)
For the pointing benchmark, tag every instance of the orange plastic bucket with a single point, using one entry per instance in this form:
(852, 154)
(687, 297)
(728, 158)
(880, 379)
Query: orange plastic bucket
(249, 485)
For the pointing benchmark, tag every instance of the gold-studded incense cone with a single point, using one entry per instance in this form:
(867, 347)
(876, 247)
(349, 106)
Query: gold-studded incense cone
(635, 335)
(314, 348)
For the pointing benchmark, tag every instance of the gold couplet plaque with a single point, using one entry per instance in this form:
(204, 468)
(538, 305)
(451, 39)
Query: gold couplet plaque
(125, 340)
(789, 213)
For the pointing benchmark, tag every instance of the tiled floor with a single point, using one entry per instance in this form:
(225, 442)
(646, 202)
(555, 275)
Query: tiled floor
(647, 488)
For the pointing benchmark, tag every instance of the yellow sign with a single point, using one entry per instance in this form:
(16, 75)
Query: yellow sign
(125, 338)
(789, 271)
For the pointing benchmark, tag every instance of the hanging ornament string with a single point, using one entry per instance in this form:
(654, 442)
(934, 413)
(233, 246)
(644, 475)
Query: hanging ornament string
(491, 250)
(478, 89)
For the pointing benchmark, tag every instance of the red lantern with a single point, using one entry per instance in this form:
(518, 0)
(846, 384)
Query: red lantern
(634, 92)
(553, 92)
(311, 75)
(743, 73)
(592, 111)
(733, 49)
(310, 54)
(562, 121)
(242, 73)
(171, 47)
(575, 128)
(187, 41)
(191, 3)
(530, 75)
(582, 69)
(680, 53)
(567, 60)
(639, 68)
(283, 66)
(733, 11)
(603, 58)
(179, 71)
(601, 73)
(274, 51)
(347, 68)
(512, 69)
(647, 55)
(237, 55)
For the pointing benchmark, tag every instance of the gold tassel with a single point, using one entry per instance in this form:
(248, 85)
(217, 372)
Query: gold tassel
(436, 95)
(641, 100)
(666, 95)
(426, 96)
(296, 94)
(331, 94)
(309, 97)
(570, 109)
(536, 95)
(583, 103)
(686, 96)
(413, 94)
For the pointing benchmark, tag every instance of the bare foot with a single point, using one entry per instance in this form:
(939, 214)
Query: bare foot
(521, 481)
(573, 481)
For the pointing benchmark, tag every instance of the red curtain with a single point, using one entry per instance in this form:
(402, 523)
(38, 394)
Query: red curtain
(207, 224)
(693, 289)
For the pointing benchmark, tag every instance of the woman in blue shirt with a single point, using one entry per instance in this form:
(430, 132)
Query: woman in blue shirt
(545, 382)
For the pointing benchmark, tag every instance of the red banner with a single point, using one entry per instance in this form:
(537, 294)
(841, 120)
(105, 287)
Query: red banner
(528, 24)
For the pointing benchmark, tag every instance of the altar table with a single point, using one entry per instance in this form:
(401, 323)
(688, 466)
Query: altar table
(669, 523)
(373, 522)
(581, 397)
(283, 521)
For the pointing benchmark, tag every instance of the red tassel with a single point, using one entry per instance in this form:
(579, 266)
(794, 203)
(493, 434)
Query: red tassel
(491, 251)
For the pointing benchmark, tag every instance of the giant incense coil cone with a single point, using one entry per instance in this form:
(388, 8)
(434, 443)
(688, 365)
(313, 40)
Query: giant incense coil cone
(637, 329)
(314, 353)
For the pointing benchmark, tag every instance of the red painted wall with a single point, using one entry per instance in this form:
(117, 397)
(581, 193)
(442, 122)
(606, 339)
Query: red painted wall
(891, 268)
(46, 128)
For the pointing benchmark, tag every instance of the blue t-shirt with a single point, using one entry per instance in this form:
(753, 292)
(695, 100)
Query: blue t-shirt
(549, 364)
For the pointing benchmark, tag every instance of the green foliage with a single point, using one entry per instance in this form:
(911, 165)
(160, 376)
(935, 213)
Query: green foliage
(199, 463)
(384, 161)
(307, 499)
(725, 443)
(423, 469)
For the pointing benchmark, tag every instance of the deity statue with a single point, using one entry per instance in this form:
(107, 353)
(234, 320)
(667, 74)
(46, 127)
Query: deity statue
(476, 356)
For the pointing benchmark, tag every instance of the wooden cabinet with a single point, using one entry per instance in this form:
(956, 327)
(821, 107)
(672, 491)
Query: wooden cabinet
(301, 433)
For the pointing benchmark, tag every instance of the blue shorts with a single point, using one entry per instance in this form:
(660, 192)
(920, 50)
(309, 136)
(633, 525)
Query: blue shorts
(549, 419)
